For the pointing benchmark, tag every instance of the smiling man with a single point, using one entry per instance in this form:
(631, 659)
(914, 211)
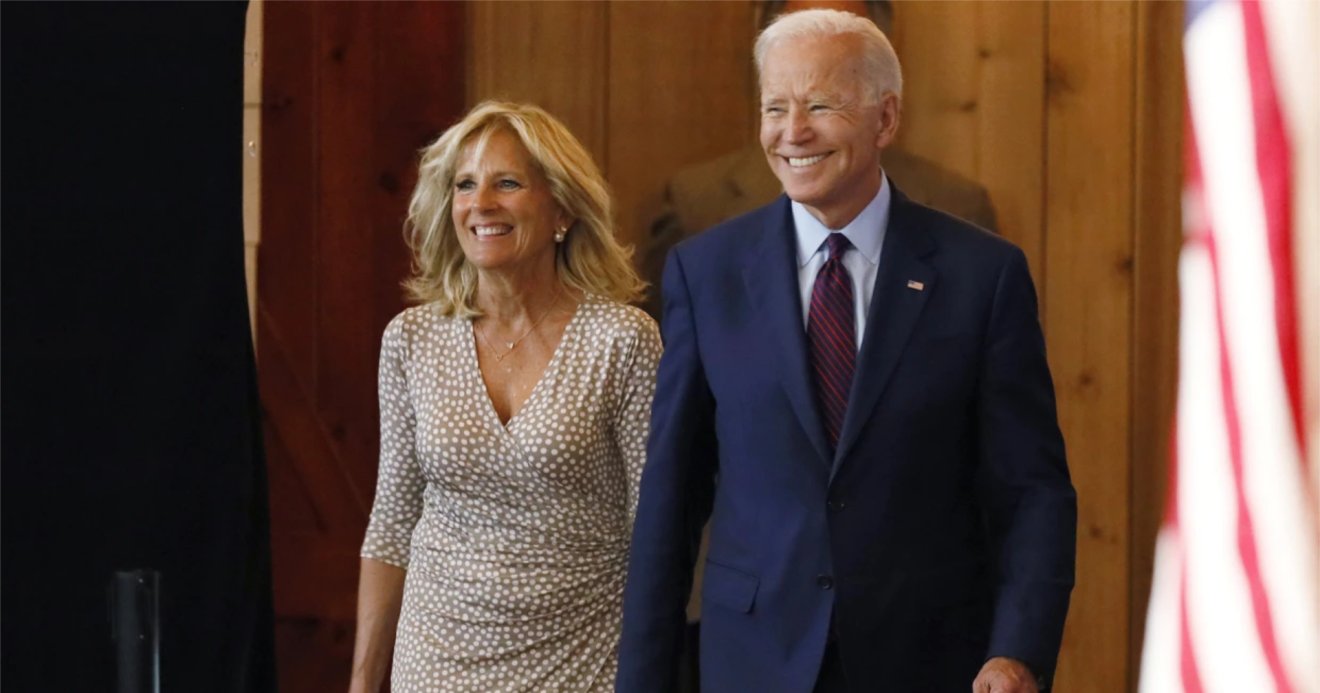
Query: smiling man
(867, 378)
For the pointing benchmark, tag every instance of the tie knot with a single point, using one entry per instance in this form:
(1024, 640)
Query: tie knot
(838, 244)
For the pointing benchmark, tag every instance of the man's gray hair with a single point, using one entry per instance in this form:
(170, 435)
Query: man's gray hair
(879, 61)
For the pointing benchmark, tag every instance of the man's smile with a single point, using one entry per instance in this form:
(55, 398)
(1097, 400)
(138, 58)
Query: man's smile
(805, 161)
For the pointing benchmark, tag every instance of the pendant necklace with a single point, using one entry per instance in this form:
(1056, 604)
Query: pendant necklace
(499, 358)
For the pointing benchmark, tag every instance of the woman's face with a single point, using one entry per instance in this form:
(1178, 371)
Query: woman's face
(503, 211)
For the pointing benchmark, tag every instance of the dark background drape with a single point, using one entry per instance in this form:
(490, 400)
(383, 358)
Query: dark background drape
(130, 419)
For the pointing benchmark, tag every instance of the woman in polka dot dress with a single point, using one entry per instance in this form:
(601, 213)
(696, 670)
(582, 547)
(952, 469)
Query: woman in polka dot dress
(514, 405)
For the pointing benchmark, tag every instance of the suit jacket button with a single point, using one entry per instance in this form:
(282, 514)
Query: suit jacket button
(825, 582)
(835, 505)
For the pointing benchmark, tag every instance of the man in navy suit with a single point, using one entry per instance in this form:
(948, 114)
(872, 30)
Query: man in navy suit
(867, 378)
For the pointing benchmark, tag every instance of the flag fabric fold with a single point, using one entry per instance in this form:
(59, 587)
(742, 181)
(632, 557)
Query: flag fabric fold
(1235, 600)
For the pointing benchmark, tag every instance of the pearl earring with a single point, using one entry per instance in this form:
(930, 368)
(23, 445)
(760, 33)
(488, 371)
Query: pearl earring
(560, 233)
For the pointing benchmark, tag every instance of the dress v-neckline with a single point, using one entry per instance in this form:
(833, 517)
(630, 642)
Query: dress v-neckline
(550, 366)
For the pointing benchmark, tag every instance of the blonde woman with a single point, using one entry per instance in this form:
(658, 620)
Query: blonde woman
(514, 403)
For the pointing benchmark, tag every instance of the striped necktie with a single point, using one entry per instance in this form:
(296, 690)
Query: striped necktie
(832, 336)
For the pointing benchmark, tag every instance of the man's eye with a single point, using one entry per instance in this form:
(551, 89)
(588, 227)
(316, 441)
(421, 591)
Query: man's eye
(772, 110)
(818, 107)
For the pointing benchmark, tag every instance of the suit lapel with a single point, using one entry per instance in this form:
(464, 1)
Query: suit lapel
(771, 280)
(902, 284)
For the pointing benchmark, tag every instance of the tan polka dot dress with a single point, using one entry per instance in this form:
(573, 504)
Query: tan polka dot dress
(514, 538)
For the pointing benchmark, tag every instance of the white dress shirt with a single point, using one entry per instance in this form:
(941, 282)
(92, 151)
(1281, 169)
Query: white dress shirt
(866, 233)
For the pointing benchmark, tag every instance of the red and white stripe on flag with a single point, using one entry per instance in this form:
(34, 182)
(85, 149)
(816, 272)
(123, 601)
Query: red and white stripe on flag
(1235, 601)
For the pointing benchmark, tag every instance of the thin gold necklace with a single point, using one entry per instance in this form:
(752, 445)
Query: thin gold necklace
(499, 358)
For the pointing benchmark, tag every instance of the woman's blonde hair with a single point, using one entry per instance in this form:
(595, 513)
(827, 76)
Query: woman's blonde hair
(590, 259)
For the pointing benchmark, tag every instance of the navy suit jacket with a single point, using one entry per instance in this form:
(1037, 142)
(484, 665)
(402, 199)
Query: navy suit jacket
(941, 532)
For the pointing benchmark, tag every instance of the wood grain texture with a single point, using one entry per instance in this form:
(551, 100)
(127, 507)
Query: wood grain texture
(974, 102)
(289, 171)
(344, 392)
(681, 90)
(352, 91)
(1088, 307)
(251, 153)
(940, 45)
(417, 46)
(554, 54)
(252, 50)
(1157, 178)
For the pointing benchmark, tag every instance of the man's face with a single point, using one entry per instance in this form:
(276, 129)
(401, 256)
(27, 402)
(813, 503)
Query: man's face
(820, 135)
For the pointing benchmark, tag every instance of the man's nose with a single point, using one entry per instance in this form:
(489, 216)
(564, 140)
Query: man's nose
(798, 127)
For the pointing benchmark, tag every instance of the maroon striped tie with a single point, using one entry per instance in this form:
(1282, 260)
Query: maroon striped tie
(832, 335)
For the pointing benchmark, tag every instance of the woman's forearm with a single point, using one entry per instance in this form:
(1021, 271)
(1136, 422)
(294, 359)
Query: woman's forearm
(380, 595)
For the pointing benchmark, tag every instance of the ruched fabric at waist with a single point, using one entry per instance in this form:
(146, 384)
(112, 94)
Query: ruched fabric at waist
(489, 575)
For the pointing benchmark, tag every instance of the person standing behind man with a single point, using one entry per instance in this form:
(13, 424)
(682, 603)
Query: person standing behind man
(707, 193)
(868, 377)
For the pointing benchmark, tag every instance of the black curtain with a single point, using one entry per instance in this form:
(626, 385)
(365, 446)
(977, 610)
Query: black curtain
(130, 420)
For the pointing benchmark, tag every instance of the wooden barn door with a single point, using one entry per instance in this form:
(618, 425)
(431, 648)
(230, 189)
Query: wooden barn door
(351, 91)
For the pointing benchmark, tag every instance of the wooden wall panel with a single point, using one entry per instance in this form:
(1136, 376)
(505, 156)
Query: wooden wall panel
(681, 90)
(252, 51)
(346, 78)
(1012, 123)
(1157, 180)
(974, 102)
(553, 54)
(406, 116)
(351, 91)
(287, 157)
(1089, 299)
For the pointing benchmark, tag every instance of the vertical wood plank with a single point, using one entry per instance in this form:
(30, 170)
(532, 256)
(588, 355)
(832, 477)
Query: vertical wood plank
(417, 46)
(1011, 127)
(251, 153)
(288, 167)
(554, 54)
(939, 46)
(681, 87)
(1157, 175)
(347, 146)
(1089, 298)
(252, 51)
(974, 102)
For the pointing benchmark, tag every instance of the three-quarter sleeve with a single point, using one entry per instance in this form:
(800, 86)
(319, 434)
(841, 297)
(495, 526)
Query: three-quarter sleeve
(633, 418)
(399, 480)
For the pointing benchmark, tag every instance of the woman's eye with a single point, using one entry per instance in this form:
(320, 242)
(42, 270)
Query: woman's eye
(464, 185)
(509, 184)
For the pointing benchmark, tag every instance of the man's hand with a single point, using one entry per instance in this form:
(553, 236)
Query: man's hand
(1004, 675)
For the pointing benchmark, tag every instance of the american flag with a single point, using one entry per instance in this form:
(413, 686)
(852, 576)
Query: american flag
(1235, 602)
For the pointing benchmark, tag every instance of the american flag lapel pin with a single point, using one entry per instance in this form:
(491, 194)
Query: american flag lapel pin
(916, 285)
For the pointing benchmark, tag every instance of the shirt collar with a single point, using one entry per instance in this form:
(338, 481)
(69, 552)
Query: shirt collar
(866, 232)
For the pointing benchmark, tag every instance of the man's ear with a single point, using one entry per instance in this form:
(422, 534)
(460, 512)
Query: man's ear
(890, 109)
